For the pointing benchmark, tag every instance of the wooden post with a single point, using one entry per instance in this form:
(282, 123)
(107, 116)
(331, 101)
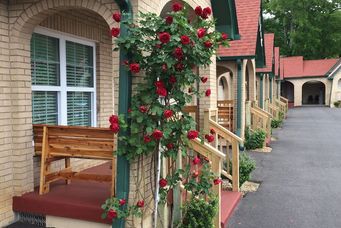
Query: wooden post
(216, 168)
(44, 166)
(235, 166)
(177, 195)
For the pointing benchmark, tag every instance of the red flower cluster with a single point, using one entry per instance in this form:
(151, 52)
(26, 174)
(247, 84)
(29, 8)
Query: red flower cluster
(172, 79)
(140, 203)
(164, 67)
(114, 124)
(195, 174)
(164, 37)
(167, 113)
(134, 67)
(192, 134)
(208, 44)
(160, 89)
(157, 134)
(203, 79)
(177, 7)
(201, 32)
(159, 84)
(196, 160)
(212, 131)
(209, 138)
(208, 92)
(122, 202)
(112, 214)
(117, 17)
(204, 13)
(217, 181)
(185, 40)
(147, 139)
(170, 146)
(169, 20)
(143, 109)
(115, 32)
(179, 66)
(178, 53)
(224, 36)
(163, 182)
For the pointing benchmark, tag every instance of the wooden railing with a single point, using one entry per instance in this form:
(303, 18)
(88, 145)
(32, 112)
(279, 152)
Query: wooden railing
(226, 142)
(181, 195)
(281, 105)
(274, 111)
(286, 101)
(261, 119)
(225, 114)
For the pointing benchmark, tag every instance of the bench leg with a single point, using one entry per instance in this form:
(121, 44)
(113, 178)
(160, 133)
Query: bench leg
(68, 167)
(44, 170)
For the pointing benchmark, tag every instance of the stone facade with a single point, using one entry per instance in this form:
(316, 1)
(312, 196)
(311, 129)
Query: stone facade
(336, 88)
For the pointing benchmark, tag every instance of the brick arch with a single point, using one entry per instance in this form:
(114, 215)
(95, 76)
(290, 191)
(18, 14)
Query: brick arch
(20, 71)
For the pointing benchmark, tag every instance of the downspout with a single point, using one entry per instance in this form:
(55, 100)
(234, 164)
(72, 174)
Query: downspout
(271, 86)
(261, 95)
(239, 96)
(125, 88)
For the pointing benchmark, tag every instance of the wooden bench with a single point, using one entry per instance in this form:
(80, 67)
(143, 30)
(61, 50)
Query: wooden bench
(65, 142)
(225, 114)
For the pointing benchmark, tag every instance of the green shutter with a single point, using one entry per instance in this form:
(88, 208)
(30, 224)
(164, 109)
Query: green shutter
(79, 65)
(44, 107)
(45, 60)
(79, 108)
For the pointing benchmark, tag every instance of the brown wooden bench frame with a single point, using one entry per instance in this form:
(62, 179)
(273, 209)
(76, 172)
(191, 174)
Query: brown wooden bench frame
(66, 142)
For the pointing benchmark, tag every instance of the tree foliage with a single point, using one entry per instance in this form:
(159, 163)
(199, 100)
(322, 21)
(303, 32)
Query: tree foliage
(311, 28)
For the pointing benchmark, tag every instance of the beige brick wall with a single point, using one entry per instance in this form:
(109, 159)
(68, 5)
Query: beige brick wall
(87, 19)
(336, 88)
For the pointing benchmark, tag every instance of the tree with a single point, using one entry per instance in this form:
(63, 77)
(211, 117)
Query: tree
(311, 28)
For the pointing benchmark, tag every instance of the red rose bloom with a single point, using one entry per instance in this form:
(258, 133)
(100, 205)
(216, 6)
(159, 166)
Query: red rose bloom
(178, 53)
(201, 32)
(164, 37)
(185, 40)
(177, 7)
(164, 67)
(179, 67)
(162, 92)
(113, 119)
(129, 110)
(159, 84)
(143, 109)
(112, 214)
(212, 131)
(126, 62)
(206, 12)
(134, 67)
(192, 134)
(140, 203)
(163, 183)
(116, 17)
(208, 92)
(198, 10)
(157, 134)
(203, 79)
(196, 160)
(115, 127)
(115, 32)
(195, 174)
(169, 20)
(208, 44)
(217, 181)
(224, 36)
(122, 202)
(147, 139)
(167, 113)
(170, 146)
(172, 79)
(209, 138)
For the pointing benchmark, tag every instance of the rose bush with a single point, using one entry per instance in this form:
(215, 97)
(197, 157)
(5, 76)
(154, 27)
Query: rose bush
(167, 50)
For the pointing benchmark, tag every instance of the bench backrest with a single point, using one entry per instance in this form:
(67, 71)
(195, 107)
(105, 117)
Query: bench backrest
(74, 141)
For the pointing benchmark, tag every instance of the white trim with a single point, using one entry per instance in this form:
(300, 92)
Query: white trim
(63, 88)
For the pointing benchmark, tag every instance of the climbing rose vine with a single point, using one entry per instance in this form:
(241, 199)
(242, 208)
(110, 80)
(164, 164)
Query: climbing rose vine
(166, 51)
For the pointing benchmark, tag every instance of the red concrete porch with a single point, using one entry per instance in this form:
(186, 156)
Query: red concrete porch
(229, 201)
(79, 200)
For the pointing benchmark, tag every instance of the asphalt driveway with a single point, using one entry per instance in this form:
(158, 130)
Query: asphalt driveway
(300, 178)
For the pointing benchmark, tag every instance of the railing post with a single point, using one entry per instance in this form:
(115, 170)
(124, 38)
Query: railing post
(235, 166)
(216, 168)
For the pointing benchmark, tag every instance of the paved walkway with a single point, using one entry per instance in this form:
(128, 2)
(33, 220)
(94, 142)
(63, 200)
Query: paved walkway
(301, 177)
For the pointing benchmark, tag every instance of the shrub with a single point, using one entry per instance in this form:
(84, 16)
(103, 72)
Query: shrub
(199, 213)
(255, 139)
(276, 123)
(281, 115)
(246, 166)
(337, 104)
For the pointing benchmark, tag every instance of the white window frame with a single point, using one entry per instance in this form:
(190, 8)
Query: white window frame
(62, 89)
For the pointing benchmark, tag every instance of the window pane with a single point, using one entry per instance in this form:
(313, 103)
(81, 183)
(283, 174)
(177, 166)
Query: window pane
(79, 108)
(79, 65)
(44, 60)
(44, 107)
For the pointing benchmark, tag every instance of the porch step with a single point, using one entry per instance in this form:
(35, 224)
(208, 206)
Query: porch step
(229, 201)
(22, 225)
